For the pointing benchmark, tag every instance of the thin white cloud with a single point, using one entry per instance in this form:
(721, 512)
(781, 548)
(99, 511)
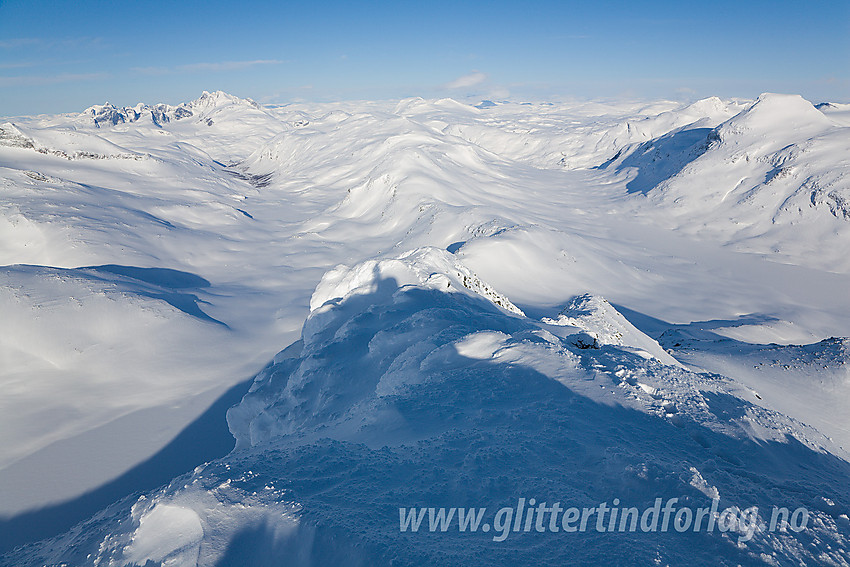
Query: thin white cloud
(19, 65)
(38, 80)
(467, 81)
(52, 43)
(498, 92)
(18, 42)
(153, 70)
(213, 67)
(228, 65)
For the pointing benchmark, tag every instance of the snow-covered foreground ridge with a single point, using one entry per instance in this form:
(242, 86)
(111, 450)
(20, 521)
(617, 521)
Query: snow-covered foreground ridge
(573, 302)
(413, 386)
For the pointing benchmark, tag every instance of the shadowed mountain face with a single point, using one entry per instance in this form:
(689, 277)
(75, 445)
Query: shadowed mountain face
(158, 283)
(205, 438)
(164, 284)
(161, 277)
(200, 441)
(658, 160)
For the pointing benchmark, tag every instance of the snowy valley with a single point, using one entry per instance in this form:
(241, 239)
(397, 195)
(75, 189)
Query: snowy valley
(422, 303)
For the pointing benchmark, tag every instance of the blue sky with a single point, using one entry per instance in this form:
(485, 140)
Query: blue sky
(62, 56)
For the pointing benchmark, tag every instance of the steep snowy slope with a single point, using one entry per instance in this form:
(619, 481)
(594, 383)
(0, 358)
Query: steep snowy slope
(151, 264)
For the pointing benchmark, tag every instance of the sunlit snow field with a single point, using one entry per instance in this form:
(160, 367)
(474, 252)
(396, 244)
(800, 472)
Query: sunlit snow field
(575, 300)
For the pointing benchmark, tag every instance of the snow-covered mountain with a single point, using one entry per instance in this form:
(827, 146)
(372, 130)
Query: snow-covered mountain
(578, 301)
(204, 108)
(777, 168)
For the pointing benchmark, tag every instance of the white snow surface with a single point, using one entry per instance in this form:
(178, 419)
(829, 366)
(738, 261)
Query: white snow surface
(574, 301)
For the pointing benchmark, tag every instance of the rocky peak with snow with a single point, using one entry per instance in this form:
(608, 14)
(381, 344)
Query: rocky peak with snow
(110, 115)
(215, 99)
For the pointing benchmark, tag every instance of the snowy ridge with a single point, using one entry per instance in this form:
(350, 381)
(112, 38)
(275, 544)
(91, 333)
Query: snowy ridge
(429, 267)
(11, 137)
(67, 143)
(805, 381)
(583, 138)
(323, 445)
(608, 327)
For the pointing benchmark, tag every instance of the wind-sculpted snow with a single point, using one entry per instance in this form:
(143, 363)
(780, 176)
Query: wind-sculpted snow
(810, 382)
(409, 392)
(542, 300)
(608, 327)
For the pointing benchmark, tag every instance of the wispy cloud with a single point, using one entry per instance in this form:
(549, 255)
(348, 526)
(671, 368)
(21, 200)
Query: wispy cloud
(47, 43)
(228, 65)
(467, 81)
(290, 95)
(153, 70)
(18, 65)
(214, 67)
(39, 80)
(571, 36)
(17, 42)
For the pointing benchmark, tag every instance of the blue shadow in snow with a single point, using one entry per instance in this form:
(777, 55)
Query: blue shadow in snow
(692, 335)
(205, 439)
(662, 158)
(163, 284)
(163, 277)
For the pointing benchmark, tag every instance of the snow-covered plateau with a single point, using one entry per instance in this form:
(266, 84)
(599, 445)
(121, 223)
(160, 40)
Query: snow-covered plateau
(401, 307)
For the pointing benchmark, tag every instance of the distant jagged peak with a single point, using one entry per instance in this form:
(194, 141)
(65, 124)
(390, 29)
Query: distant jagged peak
(708, 102)
(833, 106)
(108, 114)
(452, 104)
(838, 112)
(826, 106)
(219, 98)
(406, 104)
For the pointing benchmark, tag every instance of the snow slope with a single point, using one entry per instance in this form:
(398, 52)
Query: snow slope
(409, 388)
(156, 256)
(772, 179)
